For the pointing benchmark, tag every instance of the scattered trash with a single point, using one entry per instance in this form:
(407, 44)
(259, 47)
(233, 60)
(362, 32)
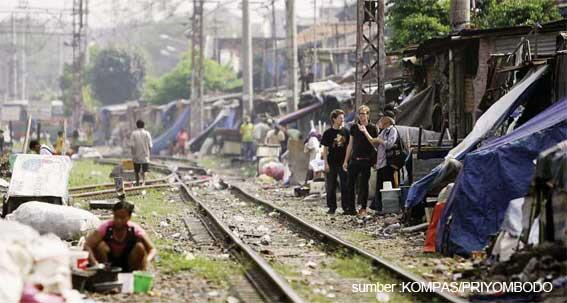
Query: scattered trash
(382, 297)
(265, 240)
(390, 229)
(231, 299)
(306, 272)
(213, 293)
(189, 256)
(163, 224)
(311, 264)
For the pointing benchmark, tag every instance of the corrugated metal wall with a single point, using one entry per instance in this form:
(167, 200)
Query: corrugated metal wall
(545, 44)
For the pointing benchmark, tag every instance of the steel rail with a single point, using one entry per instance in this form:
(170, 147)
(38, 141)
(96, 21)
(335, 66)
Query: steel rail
(272, 286)
(326, 237)
(109, 185)
(134, 189)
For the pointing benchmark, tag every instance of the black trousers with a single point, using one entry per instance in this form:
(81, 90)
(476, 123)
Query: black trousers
(331, 187)
(357, 168)
(384, 174)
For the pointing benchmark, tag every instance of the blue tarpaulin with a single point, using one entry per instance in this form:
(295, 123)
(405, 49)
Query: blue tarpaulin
(491, 177)
(165, 139)
(225, 118)
(490, 120)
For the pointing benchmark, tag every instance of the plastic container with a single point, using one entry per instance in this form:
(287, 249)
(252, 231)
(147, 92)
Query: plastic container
(127, 280)
(143, 281)
(391, 200)
(79, 259)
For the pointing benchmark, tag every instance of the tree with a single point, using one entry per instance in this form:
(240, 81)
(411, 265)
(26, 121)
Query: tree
(174, 85)
(414, 21)
(116, 75)
(503, 13)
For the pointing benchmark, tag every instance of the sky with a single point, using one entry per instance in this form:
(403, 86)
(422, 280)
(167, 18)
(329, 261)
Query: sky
(101, 10)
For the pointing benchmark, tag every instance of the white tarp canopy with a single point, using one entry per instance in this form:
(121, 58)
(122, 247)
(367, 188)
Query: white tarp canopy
(40, 176)
(496, 112)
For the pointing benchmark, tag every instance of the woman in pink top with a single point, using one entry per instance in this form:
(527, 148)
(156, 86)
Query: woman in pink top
(121, 243)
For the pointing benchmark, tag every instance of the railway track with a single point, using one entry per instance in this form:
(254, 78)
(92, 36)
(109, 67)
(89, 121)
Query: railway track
(283, 239)
(268, 239)
(260, 282)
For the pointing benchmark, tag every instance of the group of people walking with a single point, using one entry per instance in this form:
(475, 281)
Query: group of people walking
(349, 155)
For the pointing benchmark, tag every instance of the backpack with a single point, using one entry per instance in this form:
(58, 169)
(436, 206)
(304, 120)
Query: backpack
(397, 155)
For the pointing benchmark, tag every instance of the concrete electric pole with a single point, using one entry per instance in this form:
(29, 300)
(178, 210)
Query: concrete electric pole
(370, 76)
(79, 48)
(275, 81)
(248, 89)
(13, 82)
(197, 66)
(292, 64)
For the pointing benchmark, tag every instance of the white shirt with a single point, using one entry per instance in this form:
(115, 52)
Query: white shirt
(141, 144)
(273, 138)
(45, 150)
(312, 147)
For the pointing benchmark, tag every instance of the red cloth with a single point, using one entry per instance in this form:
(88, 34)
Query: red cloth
(429, 245)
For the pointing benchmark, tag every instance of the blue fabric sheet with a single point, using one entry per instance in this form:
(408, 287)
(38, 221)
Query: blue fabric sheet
(419, 189)
(166, 138)
(493, 175)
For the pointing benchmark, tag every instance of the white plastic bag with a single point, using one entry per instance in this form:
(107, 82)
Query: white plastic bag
(16, 260)
(64, 221)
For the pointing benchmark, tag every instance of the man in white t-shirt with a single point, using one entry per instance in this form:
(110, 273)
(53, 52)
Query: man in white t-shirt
(141, 145)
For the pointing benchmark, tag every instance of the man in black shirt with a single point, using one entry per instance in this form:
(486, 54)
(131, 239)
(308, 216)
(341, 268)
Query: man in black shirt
(361, 154)
(335, 141)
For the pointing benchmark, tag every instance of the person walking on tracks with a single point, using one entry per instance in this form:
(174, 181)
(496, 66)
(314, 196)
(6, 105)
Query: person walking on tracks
(141, 145)
(335, 141)
(360, 156)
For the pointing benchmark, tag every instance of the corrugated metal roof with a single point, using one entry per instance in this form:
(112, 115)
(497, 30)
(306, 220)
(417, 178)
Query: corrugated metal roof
(545, 44)
(439, 44)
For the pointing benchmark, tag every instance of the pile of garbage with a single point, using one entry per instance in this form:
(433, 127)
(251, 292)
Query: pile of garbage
(33, 268)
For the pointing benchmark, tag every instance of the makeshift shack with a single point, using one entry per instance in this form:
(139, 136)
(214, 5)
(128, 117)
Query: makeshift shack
(491, 177)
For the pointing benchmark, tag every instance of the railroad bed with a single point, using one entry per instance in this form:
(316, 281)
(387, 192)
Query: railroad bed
(285, 258)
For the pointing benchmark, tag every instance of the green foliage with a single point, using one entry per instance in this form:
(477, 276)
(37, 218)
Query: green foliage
(414, 21)
(116, 75)
(175, 84)
(503, 13)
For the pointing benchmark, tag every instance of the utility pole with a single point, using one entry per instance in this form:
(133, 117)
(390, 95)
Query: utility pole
(197, 63)
(275, 47)
(292, 64)
(370, 36)
(460, 14)
(248, 89)
(13, 89)
(79, 26)
(23, 63)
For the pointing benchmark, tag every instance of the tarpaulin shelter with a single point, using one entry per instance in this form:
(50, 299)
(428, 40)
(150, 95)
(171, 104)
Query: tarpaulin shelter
(225, 119)
(492, 176)
(164, 140)
(296, 115)
(418, 111)
(489, 121)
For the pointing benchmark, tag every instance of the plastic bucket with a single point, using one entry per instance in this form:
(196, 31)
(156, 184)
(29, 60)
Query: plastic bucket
(391, 200)
(143, 281)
